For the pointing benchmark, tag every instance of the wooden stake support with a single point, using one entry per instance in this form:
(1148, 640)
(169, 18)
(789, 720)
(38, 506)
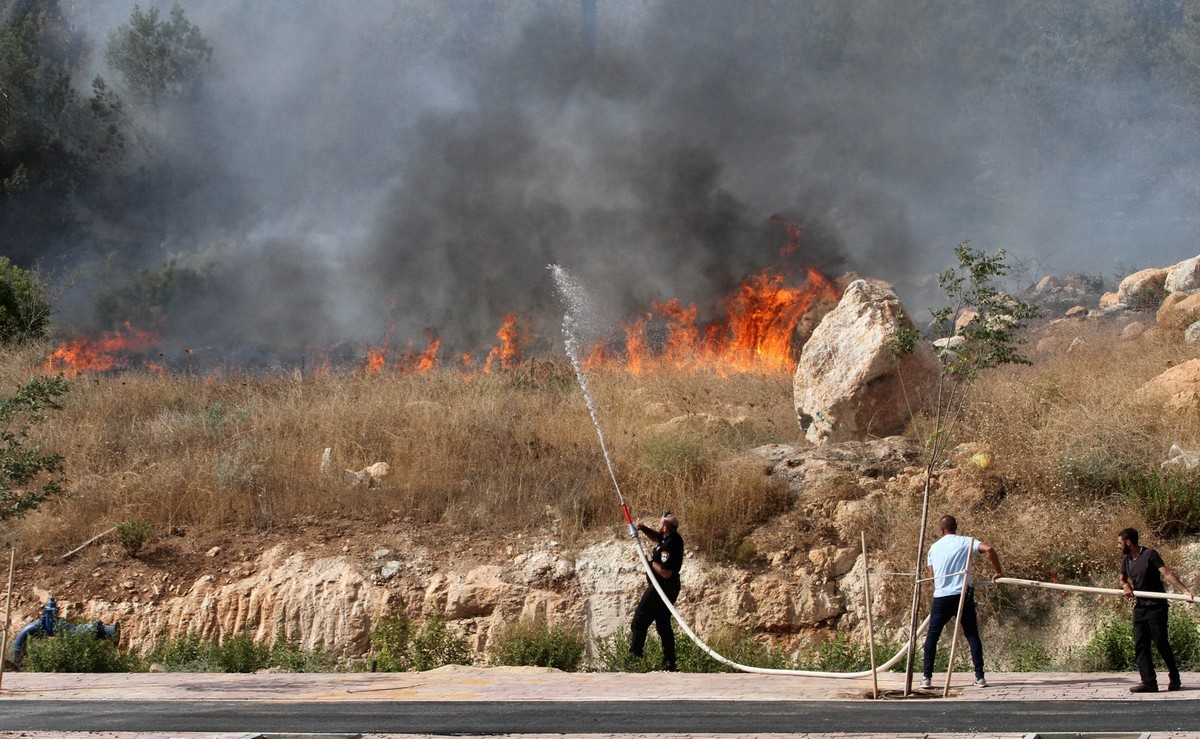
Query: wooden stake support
(870, 623)
(12, 561)
(962, 601)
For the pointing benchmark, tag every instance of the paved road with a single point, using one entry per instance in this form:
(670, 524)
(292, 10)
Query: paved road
(528, 702)
(598, 717)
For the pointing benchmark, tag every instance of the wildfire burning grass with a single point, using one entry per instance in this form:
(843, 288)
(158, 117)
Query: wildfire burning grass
(756, 332)
(514, 450)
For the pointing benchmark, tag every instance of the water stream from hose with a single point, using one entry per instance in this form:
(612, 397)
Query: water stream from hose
(576, 322)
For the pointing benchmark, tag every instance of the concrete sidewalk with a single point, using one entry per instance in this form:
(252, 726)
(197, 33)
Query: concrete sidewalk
(534, 684)
(456, 683)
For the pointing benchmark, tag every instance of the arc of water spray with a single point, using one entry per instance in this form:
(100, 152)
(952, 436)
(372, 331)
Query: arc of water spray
(575, 297)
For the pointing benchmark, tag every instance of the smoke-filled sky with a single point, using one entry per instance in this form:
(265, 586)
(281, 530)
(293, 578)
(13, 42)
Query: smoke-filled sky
(418, 163)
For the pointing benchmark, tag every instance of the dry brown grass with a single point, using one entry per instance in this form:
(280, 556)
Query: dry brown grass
(489, 453)
(517, 451)
(1059, 430)
(1080, 409)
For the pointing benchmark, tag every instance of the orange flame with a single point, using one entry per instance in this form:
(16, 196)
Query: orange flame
(763, 316)
(99, 355)
(756, 334)
(760, 329)
(513, 339)
(375, 361)
(427, 360)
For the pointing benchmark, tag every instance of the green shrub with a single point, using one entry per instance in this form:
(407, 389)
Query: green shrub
(77, 650)
(737, 645)
(240, 653)
(191, 653)
(1170, 500)
(395, 647)
(612, 653)
(536, 644)
(187, 653)
(437, 645)
(1111, 647)
(1184, 634)
(287, 654)
(389, 643)
(22, 463)
(1026, 654)
(133, 535)
(24, 305)
(840, 653)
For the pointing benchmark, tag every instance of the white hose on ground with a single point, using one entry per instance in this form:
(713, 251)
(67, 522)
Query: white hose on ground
(903, 650)
(762, 670)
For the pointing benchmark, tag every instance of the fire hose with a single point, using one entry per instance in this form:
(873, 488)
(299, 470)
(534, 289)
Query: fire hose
(1090, 589)
(903, 650)
(750, 668)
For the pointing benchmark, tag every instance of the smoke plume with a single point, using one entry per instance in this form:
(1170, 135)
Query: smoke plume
(375, 170)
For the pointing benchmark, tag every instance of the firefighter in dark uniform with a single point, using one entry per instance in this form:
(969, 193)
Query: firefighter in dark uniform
(665, 561)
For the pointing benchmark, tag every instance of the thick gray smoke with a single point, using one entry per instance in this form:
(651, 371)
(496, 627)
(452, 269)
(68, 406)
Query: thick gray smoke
(382, 168)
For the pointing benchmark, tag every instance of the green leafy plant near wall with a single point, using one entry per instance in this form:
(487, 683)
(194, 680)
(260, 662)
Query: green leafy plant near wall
(1169, 499)
(76, 651)
(536, 644)
(1111, 647)
(397, 647)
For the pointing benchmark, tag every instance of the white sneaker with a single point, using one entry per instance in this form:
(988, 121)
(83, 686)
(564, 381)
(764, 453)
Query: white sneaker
(927, 682)
(980, 682)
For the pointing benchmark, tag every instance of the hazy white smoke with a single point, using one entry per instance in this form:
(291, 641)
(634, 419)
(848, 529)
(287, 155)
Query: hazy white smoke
(383, 166)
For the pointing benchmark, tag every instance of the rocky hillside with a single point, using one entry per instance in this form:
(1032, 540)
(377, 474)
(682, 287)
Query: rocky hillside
(797, 576)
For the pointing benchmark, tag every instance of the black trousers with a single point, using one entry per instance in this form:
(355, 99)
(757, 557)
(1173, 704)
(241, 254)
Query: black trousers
(1150, 627)
(651, 610)
(944, 609)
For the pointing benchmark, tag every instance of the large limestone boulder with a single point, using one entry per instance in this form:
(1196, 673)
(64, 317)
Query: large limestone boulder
(1144, 290)
(848, 384)
(1177, 389)
(1184, 277)
(1179, 310)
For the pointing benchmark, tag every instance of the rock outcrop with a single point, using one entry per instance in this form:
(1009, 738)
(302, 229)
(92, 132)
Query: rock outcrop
(323, 601)
(1143, 290)
(1184, 277)
(1177, 389)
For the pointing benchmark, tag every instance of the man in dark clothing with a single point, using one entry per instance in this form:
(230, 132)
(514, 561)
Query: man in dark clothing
(1142, 569)
(665, 561)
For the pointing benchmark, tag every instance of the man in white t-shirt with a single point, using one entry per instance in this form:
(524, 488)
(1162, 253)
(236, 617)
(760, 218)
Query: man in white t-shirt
(947, 566)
